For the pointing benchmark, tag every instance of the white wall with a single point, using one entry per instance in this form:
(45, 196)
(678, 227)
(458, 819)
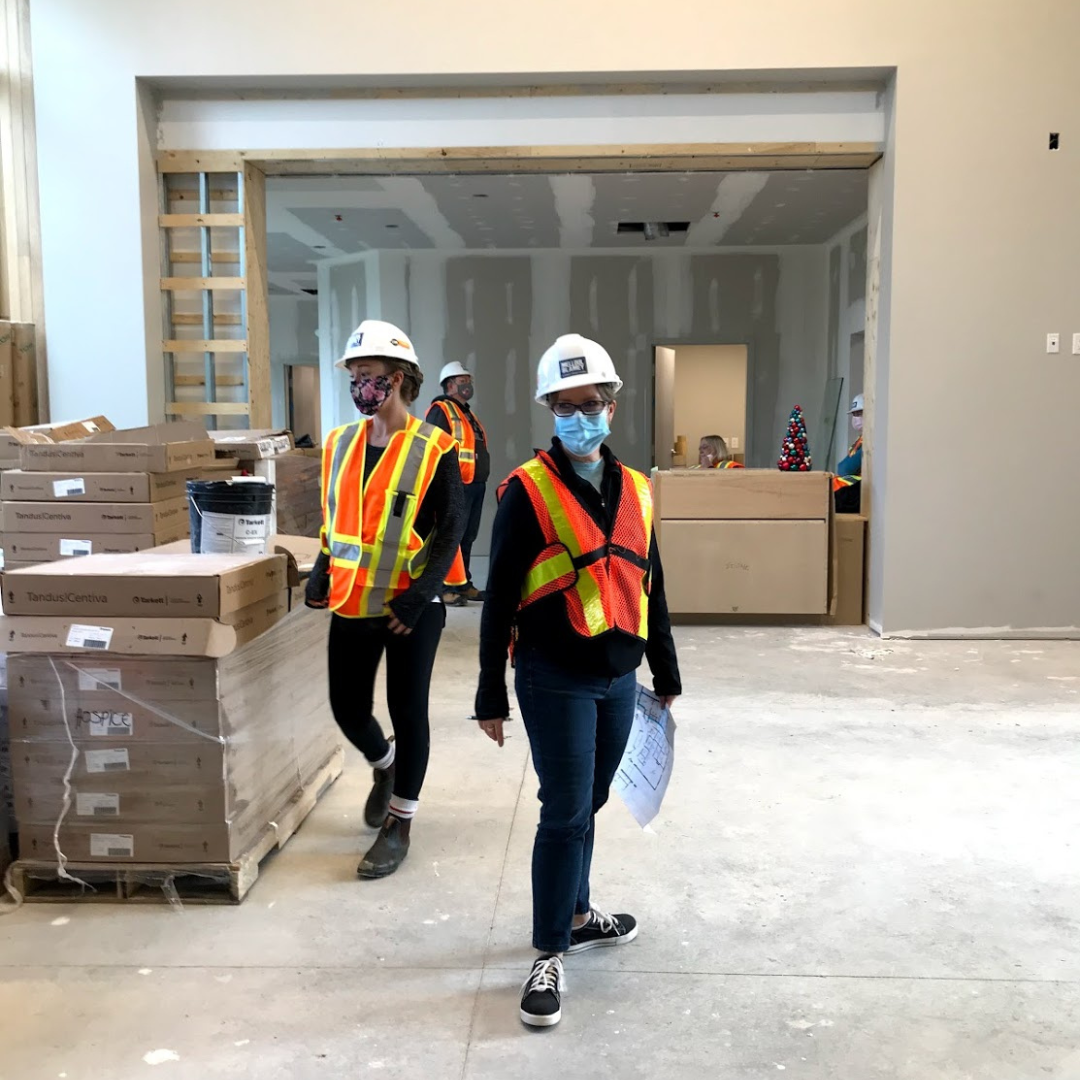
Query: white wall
(977, 219)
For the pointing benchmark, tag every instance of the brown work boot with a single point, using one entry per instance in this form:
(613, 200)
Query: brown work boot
(454, 599)
(389, 850)
(473, 595)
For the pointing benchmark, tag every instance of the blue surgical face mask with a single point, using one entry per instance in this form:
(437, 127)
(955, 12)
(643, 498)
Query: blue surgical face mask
(582, 434)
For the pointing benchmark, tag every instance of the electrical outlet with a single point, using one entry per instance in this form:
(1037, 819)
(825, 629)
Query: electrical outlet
(1076, 344)
(735, 441)
(1053, 343)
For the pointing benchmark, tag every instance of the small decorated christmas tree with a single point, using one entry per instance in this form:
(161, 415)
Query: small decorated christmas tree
(795, 449)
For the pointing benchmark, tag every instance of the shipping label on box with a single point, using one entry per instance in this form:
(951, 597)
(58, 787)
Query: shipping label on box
(252, 445)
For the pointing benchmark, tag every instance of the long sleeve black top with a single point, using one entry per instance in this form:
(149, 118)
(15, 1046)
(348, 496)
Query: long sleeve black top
(515, 543)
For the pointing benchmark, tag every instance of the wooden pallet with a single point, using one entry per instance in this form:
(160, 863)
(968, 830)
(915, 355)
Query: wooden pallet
(186, 883)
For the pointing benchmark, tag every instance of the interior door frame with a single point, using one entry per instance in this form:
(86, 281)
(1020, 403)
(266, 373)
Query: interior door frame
(697, 339)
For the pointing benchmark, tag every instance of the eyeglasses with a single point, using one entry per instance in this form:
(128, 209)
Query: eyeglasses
(589, 408)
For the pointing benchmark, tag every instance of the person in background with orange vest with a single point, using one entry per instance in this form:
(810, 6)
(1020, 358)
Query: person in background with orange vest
(576, 582)
(393, 514)
(713, 454)
(453, 414)
(847, 483)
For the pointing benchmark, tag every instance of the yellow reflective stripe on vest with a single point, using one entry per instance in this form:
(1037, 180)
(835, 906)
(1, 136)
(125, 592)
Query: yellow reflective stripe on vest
(544, 573)
(457, 430)
(345, 550)
(645, 498)
(587, 589)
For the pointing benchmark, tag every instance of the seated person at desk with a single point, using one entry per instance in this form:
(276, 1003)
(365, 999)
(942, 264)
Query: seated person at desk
(847, 483)
(713, 454)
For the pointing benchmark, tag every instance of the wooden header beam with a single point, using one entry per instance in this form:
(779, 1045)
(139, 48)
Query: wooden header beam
(654, 157)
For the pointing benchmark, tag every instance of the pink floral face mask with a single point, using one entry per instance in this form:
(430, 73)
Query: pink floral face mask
(369, 393)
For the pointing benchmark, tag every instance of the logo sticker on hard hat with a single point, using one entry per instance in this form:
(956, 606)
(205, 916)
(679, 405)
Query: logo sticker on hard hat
(574, 366)
(355, 341)
(401, 343)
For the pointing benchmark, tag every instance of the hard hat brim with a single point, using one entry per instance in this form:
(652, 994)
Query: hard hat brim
(344, 362)
(572, 382)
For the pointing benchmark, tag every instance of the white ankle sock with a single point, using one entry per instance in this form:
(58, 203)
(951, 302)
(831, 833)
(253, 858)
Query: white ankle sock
(403, 808)
(386, 760)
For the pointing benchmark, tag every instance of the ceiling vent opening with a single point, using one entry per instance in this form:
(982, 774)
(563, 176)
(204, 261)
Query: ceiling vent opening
(653, 230)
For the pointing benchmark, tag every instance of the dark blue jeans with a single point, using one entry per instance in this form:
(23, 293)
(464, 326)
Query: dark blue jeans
(578, 727)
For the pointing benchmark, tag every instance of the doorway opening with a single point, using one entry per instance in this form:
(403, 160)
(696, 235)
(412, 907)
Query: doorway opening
(303, 408)
(700, 390)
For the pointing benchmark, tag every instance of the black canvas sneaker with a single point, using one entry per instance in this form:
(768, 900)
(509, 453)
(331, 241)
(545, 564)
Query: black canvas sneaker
(602, 930)
(541, 996)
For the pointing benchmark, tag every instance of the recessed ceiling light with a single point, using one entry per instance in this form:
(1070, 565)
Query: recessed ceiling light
(391, 225)
(479, 194)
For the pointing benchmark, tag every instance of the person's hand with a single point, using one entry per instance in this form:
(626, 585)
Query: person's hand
(493, 729)
(668, 700)
(398, 627)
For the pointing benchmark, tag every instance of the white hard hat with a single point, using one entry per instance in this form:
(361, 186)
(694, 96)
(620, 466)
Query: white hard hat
(571, 362)
(374, 339)
(857, 403)
(452, 371)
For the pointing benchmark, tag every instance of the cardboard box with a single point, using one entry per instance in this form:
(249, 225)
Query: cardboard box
(162, 448)
(304, 549)
(168, 520)
(153, 843)
(742, 494)
(127, 767)
(33, 549)
(252, 445)
(147, 637)
(92, 683)
(13, 439)
(19, 486)
(24, 365)
(101, 800)
(7, 374)
(848, 570)
(752, 567)
(181, 586)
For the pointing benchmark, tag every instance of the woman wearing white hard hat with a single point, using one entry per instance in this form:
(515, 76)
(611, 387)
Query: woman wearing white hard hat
(452, 412)
(576, 582)
(393, 514)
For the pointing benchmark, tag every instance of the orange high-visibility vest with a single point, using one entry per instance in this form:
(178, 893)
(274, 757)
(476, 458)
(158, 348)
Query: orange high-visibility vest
(604, 579)
(464, 435)
(728, 465)
(369, 530)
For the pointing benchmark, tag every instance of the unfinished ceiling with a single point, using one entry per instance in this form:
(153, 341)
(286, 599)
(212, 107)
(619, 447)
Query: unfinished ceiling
(312, 218)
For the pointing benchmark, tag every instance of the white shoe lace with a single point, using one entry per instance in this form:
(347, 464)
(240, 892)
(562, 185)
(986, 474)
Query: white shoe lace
(607, 924)
(547, 974)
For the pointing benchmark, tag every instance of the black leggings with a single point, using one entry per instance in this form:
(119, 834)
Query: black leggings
(356, 647)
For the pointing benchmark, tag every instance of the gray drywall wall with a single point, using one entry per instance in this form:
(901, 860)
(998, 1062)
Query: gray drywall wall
(498, 312)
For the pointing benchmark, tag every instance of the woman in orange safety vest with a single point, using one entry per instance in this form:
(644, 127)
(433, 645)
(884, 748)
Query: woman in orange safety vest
(575, 579)
(393, 515)
(713, 454)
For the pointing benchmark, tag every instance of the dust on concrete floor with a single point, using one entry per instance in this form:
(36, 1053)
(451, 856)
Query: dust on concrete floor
(866, 868)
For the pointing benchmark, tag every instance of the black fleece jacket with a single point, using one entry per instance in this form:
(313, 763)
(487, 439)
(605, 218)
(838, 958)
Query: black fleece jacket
(516, 541)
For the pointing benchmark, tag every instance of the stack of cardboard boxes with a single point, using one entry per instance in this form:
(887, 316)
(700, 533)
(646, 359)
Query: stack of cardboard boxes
(187, 690)
(112, 492)
(7, 791)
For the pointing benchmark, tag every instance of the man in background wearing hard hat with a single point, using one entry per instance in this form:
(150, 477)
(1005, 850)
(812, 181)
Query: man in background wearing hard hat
(451, 412)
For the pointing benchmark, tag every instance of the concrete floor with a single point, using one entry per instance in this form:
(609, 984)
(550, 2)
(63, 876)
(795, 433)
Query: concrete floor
(866, 868)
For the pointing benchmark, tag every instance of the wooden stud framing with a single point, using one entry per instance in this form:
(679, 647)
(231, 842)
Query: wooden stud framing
(181, 284)
(220, 257)
(194, 221)
(256, 296)
(195, 319)
(217, 345)
(208, 408)
(198, 380)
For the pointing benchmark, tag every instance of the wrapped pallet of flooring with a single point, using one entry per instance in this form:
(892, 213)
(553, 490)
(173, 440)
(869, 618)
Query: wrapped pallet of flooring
(192, 736)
